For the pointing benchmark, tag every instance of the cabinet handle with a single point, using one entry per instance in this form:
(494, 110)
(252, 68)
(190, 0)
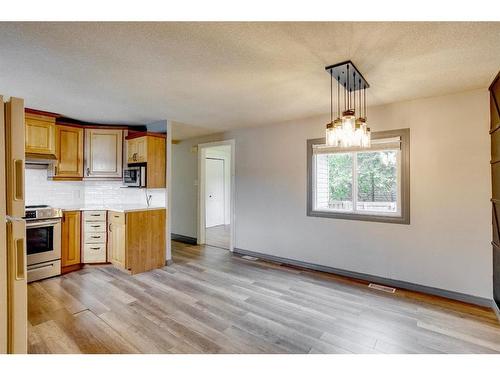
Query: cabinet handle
(109, 228)
(55, 170)
(95, 214)
(88, 171)
(95, 248)
(95, 226)
(95, 236)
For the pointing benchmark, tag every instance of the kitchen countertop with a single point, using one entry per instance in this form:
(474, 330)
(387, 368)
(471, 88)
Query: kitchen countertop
(112, 207)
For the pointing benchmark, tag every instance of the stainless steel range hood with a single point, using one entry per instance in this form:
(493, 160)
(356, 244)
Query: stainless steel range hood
(34, 161)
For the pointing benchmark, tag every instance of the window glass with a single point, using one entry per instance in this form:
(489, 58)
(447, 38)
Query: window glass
(377, 181)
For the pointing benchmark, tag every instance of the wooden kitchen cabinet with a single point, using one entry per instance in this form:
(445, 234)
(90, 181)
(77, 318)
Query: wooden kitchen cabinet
(40, 134)
(103, 153)
(149, 149)
(116, 239)
(69, 152)
(136, 240)
(137, 150)
(70, 241)
(94, 237)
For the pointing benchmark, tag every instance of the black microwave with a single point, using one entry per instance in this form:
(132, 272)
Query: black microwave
(134, 176)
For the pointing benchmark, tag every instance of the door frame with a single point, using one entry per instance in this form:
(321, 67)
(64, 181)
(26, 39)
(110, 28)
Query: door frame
(3, 238)
(202, 150)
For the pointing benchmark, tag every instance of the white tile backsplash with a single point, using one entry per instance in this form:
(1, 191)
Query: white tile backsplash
(40, 190)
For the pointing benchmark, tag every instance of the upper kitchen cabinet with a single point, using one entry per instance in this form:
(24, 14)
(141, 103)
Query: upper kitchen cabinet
(148, 149)
(137, 150)
(69, 152)
(103, 153)
(40, 134)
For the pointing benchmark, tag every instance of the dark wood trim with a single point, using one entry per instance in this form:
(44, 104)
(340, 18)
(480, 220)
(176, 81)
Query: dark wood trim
(41, 113)
(143, 134)
(494, 81)
(495, 129)
(92, 126)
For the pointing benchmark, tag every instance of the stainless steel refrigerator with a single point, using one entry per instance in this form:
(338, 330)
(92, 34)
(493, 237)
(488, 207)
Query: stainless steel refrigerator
(13, 284)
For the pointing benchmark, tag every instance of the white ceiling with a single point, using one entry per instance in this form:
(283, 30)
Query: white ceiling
(220, 76)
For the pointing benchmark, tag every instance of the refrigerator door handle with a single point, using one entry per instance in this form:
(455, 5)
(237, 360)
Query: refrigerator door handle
(20, 259)
(18, 179)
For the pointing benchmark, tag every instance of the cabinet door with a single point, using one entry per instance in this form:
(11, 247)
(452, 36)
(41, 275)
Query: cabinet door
(70, 241)
(103, 153)
(137, 150)
(69, 149)
(116, 244)
(40, 135)
(132, 150)
(142, 149)
(156, 172)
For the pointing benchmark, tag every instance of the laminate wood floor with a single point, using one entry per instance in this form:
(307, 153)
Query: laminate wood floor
(209, 301)
(218, 236)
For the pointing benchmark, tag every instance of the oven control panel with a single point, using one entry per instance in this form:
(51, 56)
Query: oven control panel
(31, 214)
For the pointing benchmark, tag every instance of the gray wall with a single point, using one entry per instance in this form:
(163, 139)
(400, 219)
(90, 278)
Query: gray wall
(447, 243)
(184, 188)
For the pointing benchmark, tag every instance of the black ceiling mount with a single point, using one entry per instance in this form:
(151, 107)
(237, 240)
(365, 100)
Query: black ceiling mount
(340, 71)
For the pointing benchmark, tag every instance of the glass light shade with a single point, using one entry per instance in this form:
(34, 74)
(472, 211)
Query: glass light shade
(366, 139)
(331, 135)
(348, 127)
(358, 136)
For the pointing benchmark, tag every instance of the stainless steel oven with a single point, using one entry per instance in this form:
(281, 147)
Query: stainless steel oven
(134, 176)
(43, 242)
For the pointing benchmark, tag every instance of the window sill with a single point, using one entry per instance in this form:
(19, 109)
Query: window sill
(392, 219)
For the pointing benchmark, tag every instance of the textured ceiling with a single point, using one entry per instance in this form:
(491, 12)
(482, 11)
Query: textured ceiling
(227, 75)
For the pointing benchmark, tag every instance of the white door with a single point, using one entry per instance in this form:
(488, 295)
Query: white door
(214, 192)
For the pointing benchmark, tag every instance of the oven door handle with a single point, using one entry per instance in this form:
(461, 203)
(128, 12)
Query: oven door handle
(38, 224)
(39, 267)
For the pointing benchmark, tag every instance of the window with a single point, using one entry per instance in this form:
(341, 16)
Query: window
(361, 184)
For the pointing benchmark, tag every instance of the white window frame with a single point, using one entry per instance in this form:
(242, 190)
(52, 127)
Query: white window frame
(401, 216)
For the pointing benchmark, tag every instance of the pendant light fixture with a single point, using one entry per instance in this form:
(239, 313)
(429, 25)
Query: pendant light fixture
(348, 130)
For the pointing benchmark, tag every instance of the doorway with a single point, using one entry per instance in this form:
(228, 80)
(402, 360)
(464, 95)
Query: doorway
(215, 221)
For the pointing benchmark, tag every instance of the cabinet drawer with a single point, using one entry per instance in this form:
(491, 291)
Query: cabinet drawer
(94, 215)
(116, 217)
(94, 253)
(95, 238)
(95, 227)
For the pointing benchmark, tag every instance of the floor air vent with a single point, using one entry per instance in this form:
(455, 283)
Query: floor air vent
(248, 257)
(383, 288)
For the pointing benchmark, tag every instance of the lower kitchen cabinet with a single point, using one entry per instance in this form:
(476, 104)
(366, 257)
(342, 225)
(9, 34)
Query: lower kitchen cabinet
(94, 237)
(136, 240)
(70, 241)
(116, 238)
